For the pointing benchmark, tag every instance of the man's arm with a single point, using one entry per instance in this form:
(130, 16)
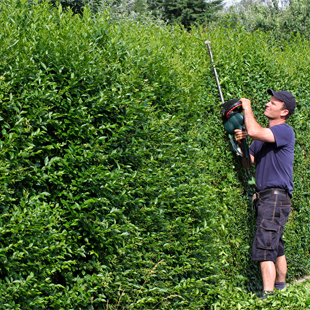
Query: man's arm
(255, 130)
(246, 163)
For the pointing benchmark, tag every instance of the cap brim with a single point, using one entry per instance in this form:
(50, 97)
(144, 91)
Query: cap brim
(270, 91)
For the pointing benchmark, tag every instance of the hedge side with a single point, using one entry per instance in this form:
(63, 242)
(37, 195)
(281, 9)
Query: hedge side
(118, 185)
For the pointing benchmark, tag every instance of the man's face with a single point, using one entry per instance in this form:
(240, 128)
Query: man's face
(274, 109)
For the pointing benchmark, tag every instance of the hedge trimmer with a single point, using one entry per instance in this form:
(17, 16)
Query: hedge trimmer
(231, 114)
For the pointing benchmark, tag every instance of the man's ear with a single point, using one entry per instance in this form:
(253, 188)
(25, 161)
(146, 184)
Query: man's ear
(285, 112)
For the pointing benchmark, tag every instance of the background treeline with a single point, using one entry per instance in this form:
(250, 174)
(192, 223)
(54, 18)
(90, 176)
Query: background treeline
(281, 22)
(118, 188)
(281, 19)
(185, 12)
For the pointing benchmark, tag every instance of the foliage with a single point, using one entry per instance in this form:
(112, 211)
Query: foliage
(140, 7)
(118, 188)
(77, 6)
(186, 12)
(122, 11)
(293, 297)
(281, 23)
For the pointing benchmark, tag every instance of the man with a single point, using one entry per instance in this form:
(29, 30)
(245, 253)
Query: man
(273, 153)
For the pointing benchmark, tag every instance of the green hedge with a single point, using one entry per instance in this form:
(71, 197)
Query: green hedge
(118, 185)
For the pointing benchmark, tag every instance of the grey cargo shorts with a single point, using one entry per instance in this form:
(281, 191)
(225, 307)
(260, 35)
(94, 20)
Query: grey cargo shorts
(272, 213)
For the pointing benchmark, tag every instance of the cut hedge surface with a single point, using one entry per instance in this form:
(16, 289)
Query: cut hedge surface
(118, 187)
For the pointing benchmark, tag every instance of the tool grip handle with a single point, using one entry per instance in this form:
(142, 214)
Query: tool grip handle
(245, 148)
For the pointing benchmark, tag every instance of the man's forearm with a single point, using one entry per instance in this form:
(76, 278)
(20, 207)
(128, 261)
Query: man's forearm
(253, 128)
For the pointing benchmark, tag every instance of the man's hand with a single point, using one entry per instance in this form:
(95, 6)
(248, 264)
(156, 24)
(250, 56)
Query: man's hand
(246, 103)
(239, 135)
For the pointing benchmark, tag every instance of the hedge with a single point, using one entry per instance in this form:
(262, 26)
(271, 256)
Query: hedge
(118, 185)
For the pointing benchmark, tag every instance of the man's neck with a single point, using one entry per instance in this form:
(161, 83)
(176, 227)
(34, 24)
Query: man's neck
(274, 122)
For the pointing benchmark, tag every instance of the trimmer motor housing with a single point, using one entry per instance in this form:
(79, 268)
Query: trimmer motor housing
(233, 119)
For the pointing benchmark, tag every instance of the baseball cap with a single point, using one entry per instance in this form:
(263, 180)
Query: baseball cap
(286, 97)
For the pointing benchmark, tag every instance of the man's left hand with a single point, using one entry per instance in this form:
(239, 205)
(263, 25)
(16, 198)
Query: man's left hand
(246, 103)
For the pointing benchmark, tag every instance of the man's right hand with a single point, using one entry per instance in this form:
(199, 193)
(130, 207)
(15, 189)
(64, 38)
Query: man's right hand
(239, 135)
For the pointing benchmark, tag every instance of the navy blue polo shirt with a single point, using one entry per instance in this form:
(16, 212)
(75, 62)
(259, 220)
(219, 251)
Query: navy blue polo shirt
(274, 161)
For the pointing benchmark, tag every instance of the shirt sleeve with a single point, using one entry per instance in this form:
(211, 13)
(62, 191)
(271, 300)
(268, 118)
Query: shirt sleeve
(283, 134)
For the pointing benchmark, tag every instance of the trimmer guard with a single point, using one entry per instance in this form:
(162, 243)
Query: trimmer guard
(233, 105)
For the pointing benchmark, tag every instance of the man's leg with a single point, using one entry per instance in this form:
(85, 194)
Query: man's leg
(268, 271)
(281, 269)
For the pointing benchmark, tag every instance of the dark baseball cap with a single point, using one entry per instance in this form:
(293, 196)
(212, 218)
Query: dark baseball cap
(286, 97)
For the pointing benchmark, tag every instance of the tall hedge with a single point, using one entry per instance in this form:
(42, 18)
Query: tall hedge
(118, 185)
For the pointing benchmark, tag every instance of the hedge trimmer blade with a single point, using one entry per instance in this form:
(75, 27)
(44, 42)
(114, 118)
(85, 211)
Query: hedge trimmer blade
(231, 113)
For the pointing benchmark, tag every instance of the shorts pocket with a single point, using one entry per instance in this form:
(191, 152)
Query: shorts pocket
(284, 213)
(267, 235)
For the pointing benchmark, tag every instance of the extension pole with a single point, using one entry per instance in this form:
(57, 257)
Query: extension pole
(214, 69)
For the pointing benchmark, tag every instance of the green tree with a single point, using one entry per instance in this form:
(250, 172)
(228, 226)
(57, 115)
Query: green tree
(140, 7)
(283, 22)
(77, 5)
(186, 12)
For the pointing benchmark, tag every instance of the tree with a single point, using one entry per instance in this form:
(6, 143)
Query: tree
(140, 7)
(186, 12)
(282, 21)
(77, 5)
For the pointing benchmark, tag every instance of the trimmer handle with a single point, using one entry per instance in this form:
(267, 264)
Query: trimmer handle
(245, 148)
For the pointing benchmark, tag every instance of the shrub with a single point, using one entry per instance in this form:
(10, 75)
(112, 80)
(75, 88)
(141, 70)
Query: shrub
(118, 185)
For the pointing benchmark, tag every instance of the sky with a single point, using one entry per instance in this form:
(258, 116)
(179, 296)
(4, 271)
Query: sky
(231, 2)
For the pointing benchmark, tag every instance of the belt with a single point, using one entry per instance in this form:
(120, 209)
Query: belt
(271, 192)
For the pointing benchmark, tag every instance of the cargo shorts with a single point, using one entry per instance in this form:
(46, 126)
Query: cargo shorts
(272, 215)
